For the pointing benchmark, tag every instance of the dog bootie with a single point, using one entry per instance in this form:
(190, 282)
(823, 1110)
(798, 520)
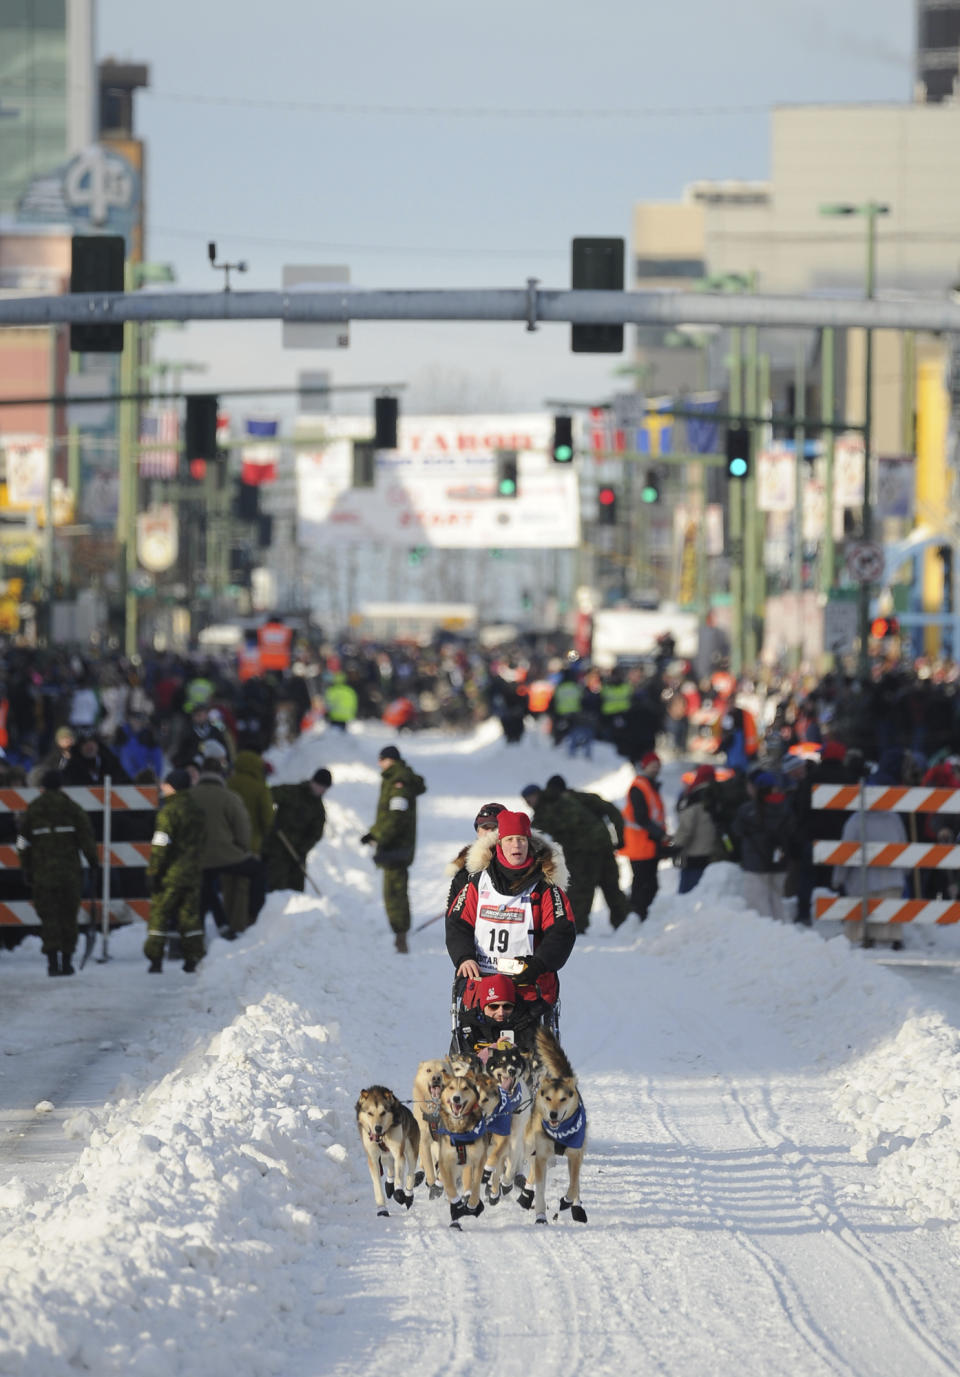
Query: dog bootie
(388, 1188)
(383, 1211)
(540, 1219)
(491, 1198)
(474, 1211)
(487, 1173)
(577, 1212)
(436, 1191)
(419, 1179)
(525, 1199)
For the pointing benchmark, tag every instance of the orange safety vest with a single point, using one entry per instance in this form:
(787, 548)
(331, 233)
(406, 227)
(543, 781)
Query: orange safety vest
(248, 662)
(274, 640)
(750, 742)
(638, 844)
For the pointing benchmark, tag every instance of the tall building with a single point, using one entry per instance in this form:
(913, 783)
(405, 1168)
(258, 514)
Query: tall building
(938, 50)
(47, 90)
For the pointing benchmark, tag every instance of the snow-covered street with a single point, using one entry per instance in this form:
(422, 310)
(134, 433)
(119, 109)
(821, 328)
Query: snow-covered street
(772, 1178)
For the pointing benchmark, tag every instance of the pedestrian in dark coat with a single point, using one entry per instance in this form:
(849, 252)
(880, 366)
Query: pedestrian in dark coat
(249, 781)
(54, 832)
(395, 834)
(765, 830)
(697, 837)
(296, 827)
(91, 762)
(226, 850)
(591, 855)
(175, 874)
(484, 822)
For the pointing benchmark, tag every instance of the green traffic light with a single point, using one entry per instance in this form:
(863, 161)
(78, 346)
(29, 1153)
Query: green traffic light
(737, 468)
(648, 494)
(563, 454)
(507, 487)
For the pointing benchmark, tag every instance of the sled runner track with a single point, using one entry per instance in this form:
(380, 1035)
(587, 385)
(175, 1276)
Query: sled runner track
(895, 1279)
(905, 1297)
(795, 1308)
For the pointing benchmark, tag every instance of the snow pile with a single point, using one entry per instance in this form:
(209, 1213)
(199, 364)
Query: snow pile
(903, 1100)
(220, 1219)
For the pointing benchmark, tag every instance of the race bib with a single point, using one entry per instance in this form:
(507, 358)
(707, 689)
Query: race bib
(399, 805)
(503, 927)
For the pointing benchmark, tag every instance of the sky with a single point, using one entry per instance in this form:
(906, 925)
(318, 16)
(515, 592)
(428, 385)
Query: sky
(772, 1174)
(427, 145)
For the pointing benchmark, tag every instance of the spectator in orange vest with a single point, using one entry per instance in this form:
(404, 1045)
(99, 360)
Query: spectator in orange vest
(645, 833)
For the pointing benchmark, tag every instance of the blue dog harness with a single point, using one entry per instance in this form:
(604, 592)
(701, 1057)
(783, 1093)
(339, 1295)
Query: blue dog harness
(570, 1132)
(499, 1121)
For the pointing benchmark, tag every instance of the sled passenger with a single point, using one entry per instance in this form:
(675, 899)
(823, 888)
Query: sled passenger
(512, 907)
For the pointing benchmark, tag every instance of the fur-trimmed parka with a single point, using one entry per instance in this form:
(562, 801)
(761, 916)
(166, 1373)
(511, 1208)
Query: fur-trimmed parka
(545, 878)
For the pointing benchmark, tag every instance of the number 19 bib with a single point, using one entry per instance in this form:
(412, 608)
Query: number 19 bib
(504, 925)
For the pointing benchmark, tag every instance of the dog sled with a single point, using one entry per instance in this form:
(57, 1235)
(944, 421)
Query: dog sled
(472, 1034)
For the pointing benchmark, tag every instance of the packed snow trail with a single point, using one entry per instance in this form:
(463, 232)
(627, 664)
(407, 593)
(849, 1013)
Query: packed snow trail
(772, 1178)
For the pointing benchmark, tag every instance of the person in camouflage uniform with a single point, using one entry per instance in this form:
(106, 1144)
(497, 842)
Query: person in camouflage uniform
(395, 834)
(53, 833)
(608, 876)
(583, 837)
(174, 874)
(299, 819)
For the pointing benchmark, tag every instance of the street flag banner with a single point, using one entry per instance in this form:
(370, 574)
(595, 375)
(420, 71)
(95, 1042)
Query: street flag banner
(258, 462)
(655, 436)
(703, 432)
(160, 443)
(604, 435)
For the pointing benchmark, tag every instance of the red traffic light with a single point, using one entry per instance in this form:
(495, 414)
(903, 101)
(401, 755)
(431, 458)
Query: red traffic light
(882, 627)
(606, 497)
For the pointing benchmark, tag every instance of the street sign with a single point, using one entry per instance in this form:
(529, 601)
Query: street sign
(865, 561)
(629, 410)
(840, 625)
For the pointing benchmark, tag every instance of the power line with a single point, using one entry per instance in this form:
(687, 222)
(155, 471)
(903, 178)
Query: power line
(232, 235)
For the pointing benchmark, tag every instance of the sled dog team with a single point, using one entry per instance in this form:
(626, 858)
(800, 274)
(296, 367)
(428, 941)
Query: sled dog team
(478, 1124)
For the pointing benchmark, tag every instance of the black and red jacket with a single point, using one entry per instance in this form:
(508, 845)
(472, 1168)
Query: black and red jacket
(554, 931)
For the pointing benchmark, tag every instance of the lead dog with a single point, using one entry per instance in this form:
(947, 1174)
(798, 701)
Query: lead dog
(462, 1143)
(509, 1068)
(427, 1084)
(388, 1131)
(557, 1126)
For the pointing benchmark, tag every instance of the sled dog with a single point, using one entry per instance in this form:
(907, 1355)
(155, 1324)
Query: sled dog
(463, 1146)
(388, 1131)
(508, 1067)
(557, 1125)
(427, 1084)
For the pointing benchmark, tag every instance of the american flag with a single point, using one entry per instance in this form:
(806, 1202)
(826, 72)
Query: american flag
(259, 460)
(160, 435)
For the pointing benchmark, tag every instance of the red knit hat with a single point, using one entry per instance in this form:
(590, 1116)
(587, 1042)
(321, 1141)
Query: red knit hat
(513, 824)
(651, 758)
(496, 987)
(705, 775)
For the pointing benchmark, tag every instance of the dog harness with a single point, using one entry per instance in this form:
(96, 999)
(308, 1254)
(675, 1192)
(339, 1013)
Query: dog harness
(570, 1132)
(499, 1121)
(461, 1140)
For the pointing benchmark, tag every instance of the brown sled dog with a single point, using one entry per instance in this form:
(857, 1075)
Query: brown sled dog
(462, 1143)
(557, 1126)
(427, 1084)
(388, 1131)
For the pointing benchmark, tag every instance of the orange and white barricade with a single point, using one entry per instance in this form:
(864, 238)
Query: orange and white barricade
(886, 855)
(128, 809)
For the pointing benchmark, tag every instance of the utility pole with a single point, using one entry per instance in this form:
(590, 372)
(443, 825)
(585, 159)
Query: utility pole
(800, 445)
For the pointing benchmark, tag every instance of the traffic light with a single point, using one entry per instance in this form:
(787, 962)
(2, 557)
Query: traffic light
(506, 473)
(416, 553)
(607, 507)
(563, 439)
(200, 427)
(96, 265)
(650, 492)
(364, 463)
(597, 265)
(738, 451)
(882, 627)
(247, 505)
(385, 413)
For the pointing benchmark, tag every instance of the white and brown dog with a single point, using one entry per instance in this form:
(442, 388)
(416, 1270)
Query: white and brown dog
(462, 1142)
(427, 1084)
(389, 1134)
(557, 1127)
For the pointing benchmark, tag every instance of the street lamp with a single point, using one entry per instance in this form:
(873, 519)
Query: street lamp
(871, 211)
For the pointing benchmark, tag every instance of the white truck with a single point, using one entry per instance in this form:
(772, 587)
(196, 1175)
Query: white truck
(630, 633)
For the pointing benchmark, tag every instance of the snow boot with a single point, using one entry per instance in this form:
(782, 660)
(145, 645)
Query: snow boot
(189, 966)
(66, 965)
(400, 942)
(156, 966)
(53, 963)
